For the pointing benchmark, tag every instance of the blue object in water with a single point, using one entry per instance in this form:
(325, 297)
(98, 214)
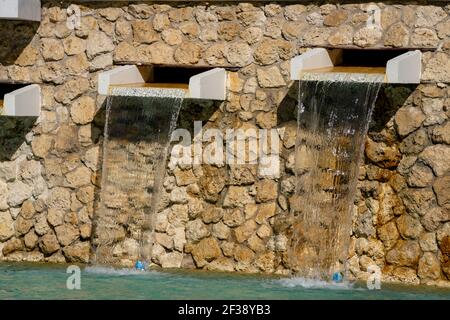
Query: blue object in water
(337, 277)
(139, 266)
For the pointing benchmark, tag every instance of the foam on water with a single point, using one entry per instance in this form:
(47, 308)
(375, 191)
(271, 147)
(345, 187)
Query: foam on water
(308, 283)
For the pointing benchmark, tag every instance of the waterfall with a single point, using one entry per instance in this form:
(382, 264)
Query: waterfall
(333, 119)
(139, 124)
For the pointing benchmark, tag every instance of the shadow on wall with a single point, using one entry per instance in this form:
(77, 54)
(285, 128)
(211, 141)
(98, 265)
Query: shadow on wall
(12, 135)
(16, 35)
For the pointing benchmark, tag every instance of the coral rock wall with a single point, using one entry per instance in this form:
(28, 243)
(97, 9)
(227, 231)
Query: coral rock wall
(226, 218)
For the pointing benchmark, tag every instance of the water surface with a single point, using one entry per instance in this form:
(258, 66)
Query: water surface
(36, 281)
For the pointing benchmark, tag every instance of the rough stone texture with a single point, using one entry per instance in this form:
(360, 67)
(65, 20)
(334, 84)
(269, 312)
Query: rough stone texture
(227, 218)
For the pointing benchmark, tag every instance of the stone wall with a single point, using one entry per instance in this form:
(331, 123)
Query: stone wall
(226, 218)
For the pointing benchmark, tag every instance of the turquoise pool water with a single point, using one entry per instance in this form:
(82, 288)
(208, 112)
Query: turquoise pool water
(31, 281)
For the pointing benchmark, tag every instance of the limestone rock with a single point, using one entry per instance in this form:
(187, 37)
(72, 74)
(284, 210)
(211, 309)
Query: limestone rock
(221, 264)
(420, 176)
(181, 14)
(405, 275)
(111, 14)
(12, 245)
(238, 54)
(418, 201)
(424, 37)
(156, 53)
(28, 209)
(243, 254)
(212, 215)
(18, 192)
(441, 134)
(442, 189)
(161, 21)
(436, 68)
(433, 218)
(41, 145)
(428, 16)
(66, 234)
(178, 195)
(171, 260)
(382, 154)
(206, 250)
(409, 227)
(31, 240)
(267, 190)
(78, 252)
(244, 231)
(83, 110)
(41, 226)
(23, 225)
(388, 234)
(196, 230)
(364, 225)
(98, 42)
(49, 243)
(141, 10)
(367, 36)
(427, 242)
(265, 211)
(408, 119)
(3, 196)
(335, 18)
(79, 177)
(237, 196)
(101, 62)
(143, 32)
(52, 50)
(91, 158)
(434, 155)
(270, 78)
(233, 217)
(164, 239)
(172, 36)
(59, 198)
(190, 29)
(251, 35)
(74, 45)
(220, 231)
(294, 12)
(343, 36)
(125, 52)
(252, 18)
(71, 89)
(415, 142)
(429, 267)
(405, 253)
(266, 52)
(6, 226)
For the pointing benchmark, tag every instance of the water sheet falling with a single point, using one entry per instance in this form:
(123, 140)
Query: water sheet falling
(333, 118)
(139, 124)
